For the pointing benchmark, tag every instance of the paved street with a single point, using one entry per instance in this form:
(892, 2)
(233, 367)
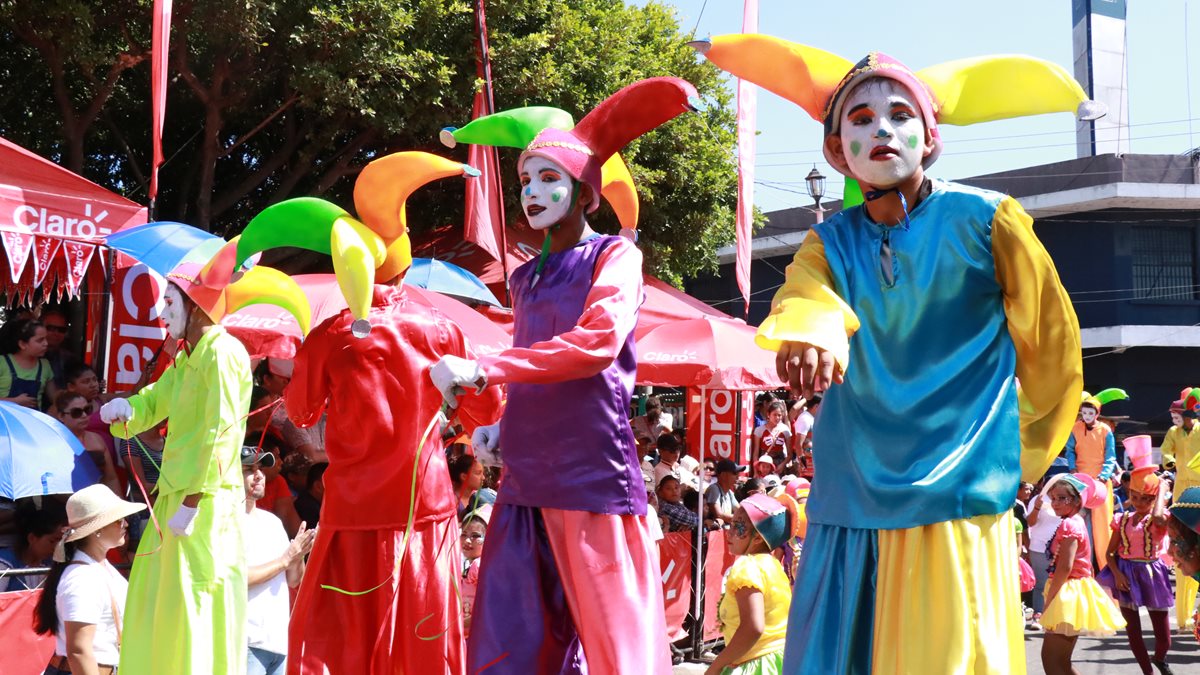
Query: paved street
(1093, 656)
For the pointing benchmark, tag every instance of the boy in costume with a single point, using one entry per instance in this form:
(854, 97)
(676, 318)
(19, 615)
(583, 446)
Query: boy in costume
(379, 595)
(949, 298)
(1091, 449)
(185, 611)
(568, 550)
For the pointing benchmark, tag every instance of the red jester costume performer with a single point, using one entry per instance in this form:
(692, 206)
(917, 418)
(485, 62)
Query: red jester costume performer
(185, 611)
(917, 311)
(1092, 449)
(569, 581)
(379, 595)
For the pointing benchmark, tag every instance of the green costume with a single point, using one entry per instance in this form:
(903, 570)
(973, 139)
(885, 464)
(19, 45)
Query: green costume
(186, 608)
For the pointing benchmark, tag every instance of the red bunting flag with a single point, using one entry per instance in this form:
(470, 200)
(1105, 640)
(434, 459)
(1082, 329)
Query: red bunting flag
(17, 245)
(79, 257)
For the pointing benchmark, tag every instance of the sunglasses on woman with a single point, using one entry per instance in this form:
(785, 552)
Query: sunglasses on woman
(75, 413)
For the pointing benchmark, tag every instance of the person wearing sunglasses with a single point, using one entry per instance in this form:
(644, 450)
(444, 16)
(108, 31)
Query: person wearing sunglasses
(72, 410)
(57, 326)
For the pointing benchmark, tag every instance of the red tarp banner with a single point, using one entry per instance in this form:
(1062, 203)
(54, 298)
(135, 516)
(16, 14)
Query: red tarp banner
(22, 651)
(716, 561)
(160, 38)
(17, 245)
(675, 558)
(135, 334)
(711, 421)
(44, 250)
(78, 256)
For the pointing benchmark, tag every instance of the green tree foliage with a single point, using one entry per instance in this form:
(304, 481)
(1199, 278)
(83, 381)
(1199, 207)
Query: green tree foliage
(270, 99)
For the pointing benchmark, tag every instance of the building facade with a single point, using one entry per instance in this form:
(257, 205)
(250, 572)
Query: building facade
(1124, 233)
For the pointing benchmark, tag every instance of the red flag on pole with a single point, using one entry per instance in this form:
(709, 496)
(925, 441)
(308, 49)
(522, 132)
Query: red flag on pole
(484, 222)
(160, 38)
(747, 104)
(484, 212)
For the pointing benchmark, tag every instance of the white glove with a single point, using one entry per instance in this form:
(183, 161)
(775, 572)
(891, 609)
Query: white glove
(485, 443)
(116, 410)
(451, 374)
(181, 523)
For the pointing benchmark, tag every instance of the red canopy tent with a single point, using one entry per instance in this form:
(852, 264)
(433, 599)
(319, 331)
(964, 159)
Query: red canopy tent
(52, 223)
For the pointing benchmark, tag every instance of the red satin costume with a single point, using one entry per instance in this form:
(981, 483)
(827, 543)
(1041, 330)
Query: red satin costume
(380, 402)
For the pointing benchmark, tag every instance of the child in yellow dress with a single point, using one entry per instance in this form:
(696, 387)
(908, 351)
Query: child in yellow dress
(754, 606)
(1075, 604)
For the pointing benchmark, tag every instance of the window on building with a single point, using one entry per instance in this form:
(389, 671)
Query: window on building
(1164, 263)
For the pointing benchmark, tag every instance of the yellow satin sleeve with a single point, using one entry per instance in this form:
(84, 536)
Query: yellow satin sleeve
(1044, 331)
(807, 310)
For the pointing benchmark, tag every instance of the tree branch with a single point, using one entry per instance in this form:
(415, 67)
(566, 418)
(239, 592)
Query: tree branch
(261, 125)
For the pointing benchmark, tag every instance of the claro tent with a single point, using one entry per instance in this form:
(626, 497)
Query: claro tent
(52, 225)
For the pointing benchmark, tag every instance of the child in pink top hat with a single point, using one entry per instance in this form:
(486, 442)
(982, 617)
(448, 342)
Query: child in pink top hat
(1075, 603)
(1136, 576)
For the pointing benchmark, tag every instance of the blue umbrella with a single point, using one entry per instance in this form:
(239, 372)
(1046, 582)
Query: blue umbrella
(40, 456)
(162, 245)
(448, 279)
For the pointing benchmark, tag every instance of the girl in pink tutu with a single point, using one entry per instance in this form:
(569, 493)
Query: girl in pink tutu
(1075, 604)
(1135, 575)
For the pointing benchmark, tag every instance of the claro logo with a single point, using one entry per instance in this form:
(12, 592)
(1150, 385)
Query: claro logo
(668, 357)
(44, 221)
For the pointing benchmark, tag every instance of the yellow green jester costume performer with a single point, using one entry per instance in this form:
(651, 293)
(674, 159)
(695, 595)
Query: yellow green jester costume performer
(1182, 447)
(909, 563)
(185, 611)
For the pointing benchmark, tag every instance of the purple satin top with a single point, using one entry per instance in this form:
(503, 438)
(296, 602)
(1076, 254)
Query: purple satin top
(568, 445)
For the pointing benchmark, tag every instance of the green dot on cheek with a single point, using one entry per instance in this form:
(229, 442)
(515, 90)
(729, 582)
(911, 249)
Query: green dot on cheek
(855, 148)
(558, 194)
(912, 142)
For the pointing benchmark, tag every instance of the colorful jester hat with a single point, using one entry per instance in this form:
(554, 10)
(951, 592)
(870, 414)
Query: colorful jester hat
(209, 277)
(374, 249)
(962, 92)
(1103, 398)
(517, 127)
(610, 126)
(1190, 396)
(775, 519)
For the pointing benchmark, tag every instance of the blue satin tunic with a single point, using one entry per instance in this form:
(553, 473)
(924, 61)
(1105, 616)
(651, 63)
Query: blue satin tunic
(925, 427)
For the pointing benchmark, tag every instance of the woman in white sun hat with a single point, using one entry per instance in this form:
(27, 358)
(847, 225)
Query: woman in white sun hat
(84, 596)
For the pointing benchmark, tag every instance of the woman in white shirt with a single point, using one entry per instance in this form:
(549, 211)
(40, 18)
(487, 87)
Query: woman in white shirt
(84, 595)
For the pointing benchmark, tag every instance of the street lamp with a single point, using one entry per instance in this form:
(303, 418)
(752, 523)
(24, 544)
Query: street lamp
(815, 183)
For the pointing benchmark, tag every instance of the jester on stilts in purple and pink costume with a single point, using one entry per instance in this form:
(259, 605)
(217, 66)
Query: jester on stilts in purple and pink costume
(569, 550)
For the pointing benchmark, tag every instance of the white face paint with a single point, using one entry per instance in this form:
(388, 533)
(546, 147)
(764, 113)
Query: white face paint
(1177, 419)
(545, 192)
(883, 136)
(1088, 415)
(174, 315)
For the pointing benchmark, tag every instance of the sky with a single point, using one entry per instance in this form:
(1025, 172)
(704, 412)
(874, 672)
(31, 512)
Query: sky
(922, 33)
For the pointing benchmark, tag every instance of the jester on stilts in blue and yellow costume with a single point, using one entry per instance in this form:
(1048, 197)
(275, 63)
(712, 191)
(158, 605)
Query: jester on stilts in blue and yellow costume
(924, 305)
